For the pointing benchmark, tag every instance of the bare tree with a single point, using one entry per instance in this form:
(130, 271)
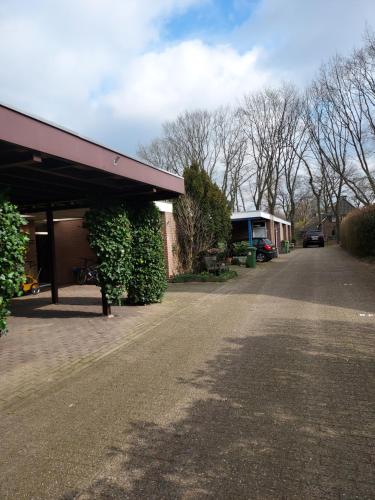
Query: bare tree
(213, 140)
(347, 86)
(257, 151)
(305, 209)
(233, 154)
(268, 125)
(162, 154)
(191, 138)
(257, 120)
(293, 153)
(329, 145)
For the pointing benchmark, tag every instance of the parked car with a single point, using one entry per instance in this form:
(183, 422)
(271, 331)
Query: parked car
(266, 250)
(313, 237)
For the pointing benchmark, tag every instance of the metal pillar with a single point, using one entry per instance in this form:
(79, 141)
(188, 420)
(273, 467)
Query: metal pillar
(52, 255)
(250, 232)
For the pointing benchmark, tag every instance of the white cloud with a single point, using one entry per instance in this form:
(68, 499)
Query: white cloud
(87, 63)
(58, 57)
(101, 67)
(188, 75)
(300, 34)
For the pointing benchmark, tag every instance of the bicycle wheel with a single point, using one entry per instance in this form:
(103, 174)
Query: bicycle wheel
(82, 277)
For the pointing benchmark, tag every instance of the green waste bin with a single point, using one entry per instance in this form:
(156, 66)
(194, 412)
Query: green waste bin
(251, 257)
(285, 246)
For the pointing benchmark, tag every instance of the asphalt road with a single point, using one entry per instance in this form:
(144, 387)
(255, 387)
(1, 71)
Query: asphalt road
(263, 387)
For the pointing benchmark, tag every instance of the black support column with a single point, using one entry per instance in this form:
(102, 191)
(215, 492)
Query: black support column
(52, 255)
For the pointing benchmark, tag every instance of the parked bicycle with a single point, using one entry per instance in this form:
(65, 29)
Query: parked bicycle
(87, 274)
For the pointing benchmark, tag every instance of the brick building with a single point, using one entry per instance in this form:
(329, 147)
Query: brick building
(259, 224)
(50, 172)
(72, 248)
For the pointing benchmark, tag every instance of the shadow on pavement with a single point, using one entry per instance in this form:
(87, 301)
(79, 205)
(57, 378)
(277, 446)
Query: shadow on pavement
(286, 416)
(41, 307)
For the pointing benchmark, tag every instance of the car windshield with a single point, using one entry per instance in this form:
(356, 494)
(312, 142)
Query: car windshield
(267, 242)
(313, 232)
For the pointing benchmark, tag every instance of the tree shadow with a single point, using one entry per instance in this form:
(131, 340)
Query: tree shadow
(285, 416)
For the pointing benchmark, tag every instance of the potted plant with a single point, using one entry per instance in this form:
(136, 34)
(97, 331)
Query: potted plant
(241, 251)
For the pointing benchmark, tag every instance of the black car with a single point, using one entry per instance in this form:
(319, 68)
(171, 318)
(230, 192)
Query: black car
(313, 237)
(266, 250)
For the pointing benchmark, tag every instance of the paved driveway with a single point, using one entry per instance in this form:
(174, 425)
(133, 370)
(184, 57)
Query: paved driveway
(259, 388)
(48, 342)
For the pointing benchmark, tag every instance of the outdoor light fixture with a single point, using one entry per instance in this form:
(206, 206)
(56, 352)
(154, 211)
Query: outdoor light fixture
(37, 158)
(63, 220)
(68, 218)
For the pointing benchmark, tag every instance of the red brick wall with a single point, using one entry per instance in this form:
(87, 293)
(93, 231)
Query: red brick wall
(270, 230)
(71, 246)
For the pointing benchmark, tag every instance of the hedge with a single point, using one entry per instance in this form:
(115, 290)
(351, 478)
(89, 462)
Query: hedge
(357, 232)
(110, 237)
(148, 281)
(13, 245)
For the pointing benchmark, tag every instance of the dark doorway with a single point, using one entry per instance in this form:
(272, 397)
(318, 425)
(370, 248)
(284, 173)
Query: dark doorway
(43, 258)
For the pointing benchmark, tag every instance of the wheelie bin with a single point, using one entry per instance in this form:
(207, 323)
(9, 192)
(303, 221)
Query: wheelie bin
(285, 246)
(251, 257)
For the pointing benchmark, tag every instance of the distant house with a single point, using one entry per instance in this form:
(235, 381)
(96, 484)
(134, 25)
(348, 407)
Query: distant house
(328, 225)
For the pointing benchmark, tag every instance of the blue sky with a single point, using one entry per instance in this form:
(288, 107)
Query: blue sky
(211, 20)
(115, 70)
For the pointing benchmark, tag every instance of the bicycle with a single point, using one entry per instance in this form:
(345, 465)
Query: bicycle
(88, 274)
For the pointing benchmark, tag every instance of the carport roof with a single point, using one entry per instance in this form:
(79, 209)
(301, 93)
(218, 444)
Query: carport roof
(257, 214)
(42, 164)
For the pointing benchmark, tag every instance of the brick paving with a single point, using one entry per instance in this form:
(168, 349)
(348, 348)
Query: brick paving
(259, 388)
(47, 342)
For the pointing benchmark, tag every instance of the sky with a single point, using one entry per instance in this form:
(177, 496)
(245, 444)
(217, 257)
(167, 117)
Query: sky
(115, 70)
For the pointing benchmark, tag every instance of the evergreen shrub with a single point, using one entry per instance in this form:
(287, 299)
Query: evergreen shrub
(241, 248)
(214, 205)
(148, 281)
(13, 244)
(110, 237)
(202, 218)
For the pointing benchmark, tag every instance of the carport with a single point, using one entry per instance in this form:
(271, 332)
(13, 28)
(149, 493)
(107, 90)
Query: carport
(45, 168)
(257, 223)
